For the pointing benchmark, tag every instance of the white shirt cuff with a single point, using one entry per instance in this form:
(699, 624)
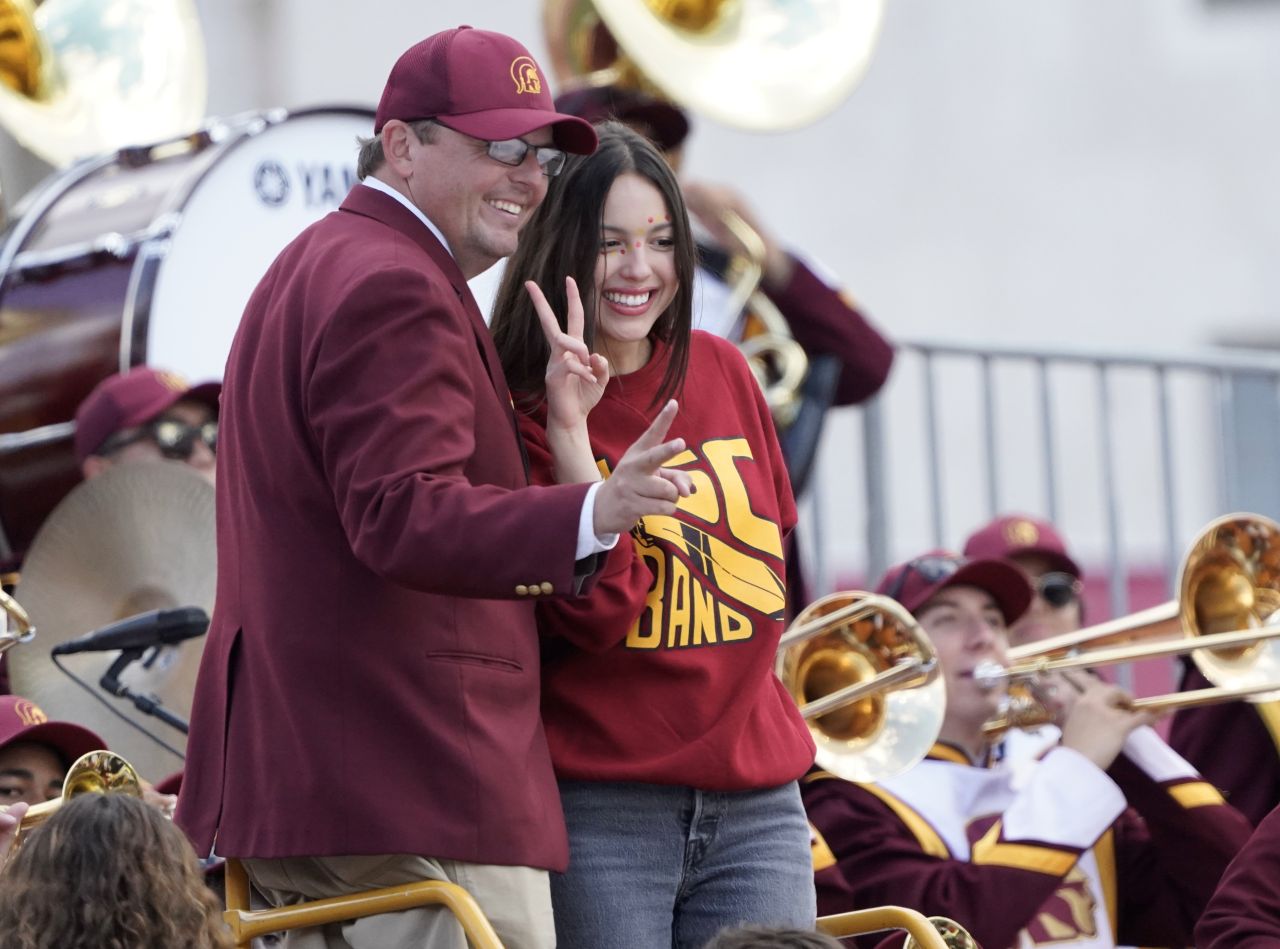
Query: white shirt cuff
(588, 542)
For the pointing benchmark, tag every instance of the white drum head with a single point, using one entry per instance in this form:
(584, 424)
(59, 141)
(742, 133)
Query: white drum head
(259, 194)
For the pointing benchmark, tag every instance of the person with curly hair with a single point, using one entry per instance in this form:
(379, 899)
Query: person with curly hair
(107, 871)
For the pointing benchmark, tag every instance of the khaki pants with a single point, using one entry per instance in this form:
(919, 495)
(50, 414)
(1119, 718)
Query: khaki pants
(517, 901)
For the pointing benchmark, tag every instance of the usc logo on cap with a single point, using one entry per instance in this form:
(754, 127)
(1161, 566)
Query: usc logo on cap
(29, 713)
(524, 72)
(172, 381)
(1022, 533)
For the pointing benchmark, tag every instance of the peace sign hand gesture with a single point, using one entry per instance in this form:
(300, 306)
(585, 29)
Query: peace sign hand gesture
(576, 377)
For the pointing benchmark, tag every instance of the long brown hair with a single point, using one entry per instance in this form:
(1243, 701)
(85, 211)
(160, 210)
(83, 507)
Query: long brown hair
(563, 239)
(108, 871)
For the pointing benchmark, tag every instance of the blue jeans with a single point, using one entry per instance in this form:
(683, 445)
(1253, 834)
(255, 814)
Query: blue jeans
(652, 867)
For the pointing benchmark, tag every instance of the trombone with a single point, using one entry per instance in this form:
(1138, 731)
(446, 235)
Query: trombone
(1226, 616)
(867, 680)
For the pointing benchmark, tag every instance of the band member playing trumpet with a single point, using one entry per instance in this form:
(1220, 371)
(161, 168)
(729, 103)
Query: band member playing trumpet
(1030, 856)
(676, 747)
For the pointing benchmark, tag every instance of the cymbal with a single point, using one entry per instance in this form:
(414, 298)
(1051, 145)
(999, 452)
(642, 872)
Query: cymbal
(138, 537)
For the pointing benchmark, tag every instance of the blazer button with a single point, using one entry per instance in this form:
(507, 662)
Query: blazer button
(534, 589)
(521, 590)
(547, 587)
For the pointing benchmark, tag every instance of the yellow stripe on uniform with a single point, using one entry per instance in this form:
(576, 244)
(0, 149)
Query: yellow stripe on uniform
(822, 855)
(990, 851)
(1195, 794)
(1104, 852)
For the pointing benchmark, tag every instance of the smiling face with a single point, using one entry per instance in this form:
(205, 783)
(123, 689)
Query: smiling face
(478, 202)
(635, 277)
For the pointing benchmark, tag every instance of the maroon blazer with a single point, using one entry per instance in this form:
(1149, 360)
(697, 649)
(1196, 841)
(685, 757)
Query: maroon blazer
(370, 680)
(1245, 910)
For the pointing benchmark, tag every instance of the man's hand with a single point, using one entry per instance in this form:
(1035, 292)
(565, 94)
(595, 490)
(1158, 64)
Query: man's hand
(575, 377)
(640, 485)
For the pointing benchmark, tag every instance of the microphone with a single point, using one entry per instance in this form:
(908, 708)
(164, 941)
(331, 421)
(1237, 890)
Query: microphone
(155, 628)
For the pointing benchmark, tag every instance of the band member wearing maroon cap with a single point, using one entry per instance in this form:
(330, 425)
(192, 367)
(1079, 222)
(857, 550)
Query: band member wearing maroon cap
(1245, 910)
(1022, 856)
(367, 706)
(676, 746)
(147, 414)
(1036, 546)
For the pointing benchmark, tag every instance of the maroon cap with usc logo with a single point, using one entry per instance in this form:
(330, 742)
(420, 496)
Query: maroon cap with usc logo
(481, 84)
(23, 720)
(1015, 534)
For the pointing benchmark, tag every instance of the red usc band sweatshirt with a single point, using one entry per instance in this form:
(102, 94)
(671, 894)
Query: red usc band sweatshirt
(664, 674)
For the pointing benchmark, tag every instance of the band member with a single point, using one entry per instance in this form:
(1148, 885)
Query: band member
(1030, 856)
(35, 752)
(369, 687)
(147, 414)
(1245, 910)
(676, 747)
(1038, 548)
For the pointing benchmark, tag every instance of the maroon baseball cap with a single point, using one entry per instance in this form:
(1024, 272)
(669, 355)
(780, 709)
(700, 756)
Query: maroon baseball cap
(22, 720)
(661, 122)
(132, 398)
(1014, 534)
(481, 84)
(916, 582)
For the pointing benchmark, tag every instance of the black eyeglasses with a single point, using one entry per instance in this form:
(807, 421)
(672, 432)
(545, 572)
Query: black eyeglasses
(175, 439)
(1058, 589)
(512, 151)
(929, 569)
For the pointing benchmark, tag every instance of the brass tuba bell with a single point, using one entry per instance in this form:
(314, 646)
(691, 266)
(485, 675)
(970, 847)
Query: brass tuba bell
(79, 79)
(762, 65)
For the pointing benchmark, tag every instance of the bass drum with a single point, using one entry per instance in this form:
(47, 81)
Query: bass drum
(145, 256)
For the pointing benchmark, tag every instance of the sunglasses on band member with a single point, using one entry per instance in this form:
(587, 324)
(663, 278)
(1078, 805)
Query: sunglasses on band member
(1058, 589)
(928, 569)
(175, 439)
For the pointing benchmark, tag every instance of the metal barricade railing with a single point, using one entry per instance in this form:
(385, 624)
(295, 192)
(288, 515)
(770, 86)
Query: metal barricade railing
(994, 428)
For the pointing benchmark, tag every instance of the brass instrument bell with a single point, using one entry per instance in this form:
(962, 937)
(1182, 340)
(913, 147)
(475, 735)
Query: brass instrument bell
(865, 674)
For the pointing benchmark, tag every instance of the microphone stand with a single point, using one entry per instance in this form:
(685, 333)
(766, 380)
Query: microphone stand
(147, 704)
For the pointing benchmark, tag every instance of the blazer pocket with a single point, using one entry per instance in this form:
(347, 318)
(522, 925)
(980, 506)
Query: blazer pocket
(499, 663)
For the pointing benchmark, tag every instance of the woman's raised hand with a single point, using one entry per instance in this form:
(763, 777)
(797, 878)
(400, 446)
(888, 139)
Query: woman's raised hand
(576, 377)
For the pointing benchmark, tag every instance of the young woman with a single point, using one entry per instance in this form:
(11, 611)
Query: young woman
(676, 747)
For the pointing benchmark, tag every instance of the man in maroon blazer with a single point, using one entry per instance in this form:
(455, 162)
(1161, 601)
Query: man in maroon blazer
(367, 708)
